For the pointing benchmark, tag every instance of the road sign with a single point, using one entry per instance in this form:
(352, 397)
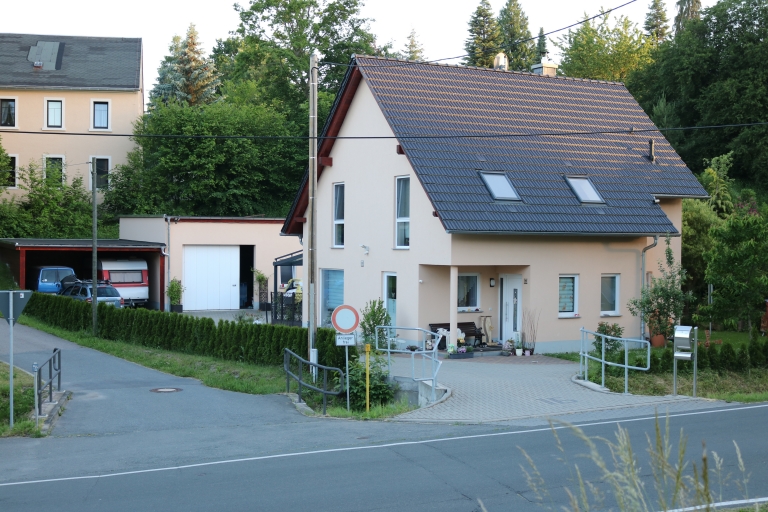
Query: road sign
(20, 299)
(345, 340)
(345, 319)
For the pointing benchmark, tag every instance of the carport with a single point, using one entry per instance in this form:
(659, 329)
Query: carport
(24, 254)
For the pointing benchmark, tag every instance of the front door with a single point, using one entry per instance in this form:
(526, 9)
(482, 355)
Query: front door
(511, 295)
(390, 294)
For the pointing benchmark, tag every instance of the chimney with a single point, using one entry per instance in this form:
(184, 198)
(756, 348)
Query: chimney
(546, 68)
(501, 62)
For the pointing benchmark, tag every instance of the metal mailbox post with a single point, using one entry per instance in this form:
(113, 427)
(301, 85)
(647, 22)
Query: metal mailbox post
(685, 349)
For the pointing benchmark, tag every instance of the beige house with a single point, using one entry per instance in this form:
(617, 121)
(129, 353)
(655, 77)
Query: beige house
(214, 256)
(63, 102)
(478, 195)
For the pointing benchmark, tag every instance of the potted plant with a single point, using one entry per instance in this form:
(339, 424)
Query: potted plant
(462, 353)
(518, 345)
(261, 296)
(662, 303)
(174, 292)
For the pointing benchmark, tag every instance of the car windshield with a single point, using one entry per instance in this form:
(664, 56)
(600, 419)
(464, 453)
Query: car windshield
(108, 291)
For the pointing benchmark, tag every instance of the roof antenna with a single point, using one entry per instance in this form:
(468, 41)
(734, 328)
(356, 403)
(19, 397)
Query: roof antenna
(652, 154)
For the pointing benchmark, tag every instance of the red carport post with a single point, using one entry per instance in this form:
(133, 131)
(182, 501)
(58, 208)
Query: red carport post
(162, 282)
(23, 269)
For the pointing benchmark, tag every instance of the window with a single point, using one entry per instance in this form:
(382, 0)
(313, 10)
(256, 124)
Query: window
(499, 186)
(100, 115)
(102, 172)
(8, 113)
(54, 169)
(8, 176)
(333, 294)
(48, 275)
(286, 274)
(54, 114)
(126, 276)
(403, 213)
(568, 299)
(584, 189)
(609, 295)
(469, 298)
(338, 215)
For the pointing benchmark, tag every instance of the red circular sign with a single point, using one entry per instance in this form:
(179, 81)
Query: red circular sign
(345, 319)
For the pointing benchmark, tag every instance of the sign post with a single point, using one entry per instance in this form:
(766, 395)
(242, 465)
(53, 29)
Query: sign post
(345, 320)
(10, 301)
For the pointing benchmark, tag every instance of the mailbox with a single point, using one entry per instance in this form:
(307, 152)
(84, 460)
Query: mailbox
(686, 339)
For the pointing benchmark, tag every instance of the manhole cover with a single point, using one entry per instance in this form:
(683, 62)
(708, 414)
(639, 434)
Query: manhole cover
(165, 390)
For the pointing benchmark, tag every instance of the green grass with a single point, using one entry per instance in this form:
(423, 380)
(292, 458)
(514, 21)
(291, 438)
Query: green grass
(23, 403)
(377, 412)
(213, 372)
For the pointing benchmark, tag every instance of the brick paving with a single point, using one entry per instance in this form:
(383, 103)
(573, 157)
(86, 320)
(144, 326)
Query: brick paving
(503, 389)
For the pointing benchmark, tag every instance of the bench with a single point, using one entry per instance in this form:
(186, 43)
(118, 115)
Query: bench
(468, 328)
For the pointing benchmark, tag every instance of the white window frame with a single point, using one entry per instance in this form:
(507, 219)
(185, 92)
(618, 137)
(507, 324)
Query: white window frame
(477, 291)
(16, 109)
(45, 114)
(109, 115)
(617, 289)
(90, 172)
(16, 173)
(575, 312)
(323, 288)
(599, 200)
(337, 222)
(63, 166)
(404, 220)
(492, 191)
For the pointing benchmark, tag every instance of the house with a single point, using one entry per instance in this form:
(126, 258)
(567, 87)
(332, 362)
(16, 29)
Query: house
(487, 196)
(63, 102)
(214, 257)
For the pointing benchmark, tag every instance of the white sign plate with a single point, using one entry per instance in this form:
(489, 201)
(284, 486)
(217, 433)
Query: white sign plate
(345, 340)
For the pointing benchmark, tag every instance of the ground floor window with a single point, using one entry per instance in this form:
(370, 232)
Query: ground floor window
(8, 176)
(568, 296)
(333, 294)
(609, 295)
(469, 296)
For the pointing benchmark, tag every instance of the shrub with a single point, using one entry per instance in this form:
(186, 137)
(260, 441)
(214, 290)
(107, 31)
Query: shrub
(756, 356)
(374, 313)
(614, 330)
(381, 392)
(727, 358)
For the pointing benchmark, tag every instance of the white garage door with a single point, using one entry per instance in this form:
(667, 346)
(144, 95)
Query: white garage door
(211, 276)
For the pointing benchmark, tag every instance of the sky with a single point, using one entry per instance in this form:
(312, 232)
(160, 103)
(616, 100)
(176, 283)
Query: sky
(441, 25)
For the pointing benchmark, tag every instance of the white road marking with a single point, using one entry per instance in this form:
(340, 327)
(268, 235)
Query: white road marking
(379, 446)
(736, 503)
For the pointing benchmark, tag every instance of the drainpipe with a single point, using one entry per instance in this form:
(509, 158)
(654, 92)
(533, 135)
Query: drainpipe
(642, 284)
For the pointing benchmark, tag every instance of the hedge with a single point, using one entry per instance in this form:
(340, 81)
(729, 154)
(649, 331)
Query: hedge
(251, 343)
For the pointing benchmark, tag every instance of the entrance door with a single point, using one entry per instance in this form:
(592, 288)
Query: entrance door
(211, 277)
(511, 294)
(390, 294)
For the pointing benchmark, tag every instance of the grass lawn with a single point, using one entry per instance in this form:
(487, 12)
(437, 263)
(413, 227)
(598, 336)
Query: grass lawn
(337, 408)
(23, 403)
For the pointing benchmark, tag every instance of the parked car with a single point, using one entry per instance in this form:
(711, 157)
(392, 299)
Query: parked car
(130, 277)
(48, 279)
(83, 290)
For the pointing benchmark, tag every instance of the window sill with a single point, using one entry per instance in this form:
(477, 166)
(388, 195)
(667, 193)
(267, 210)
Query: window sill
(602, 315)
(401, 248)
(470, 311)
(9, 128)
(53, 129)
(100, 130)
(337, 247)
(568, 315)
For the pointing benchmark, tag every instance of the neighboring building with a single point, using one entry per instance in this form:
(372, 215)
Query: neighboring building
(456, 229)
(214, 257)
(53, 87)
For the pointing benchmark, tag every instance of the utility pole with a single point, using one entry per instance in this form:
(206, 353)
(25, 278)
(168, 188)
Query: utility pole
(311, 263)
(94, 277)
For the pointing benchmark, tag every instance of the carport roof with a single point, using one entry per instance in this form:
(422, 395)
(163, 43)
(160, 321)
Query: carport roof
(84, 243)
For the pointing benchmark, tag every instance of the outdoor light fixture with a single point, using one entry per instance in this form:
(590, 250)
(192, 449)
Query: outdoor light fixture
(493, 282)
(365, 248)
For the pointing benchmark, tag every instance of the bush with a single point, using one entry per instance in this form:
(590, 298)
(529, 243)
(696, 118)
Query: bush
(614, 330)
(381, 392)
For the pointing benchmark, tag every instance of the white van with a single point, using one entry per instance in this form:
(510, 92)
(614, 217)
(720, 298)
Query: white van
(129, 277)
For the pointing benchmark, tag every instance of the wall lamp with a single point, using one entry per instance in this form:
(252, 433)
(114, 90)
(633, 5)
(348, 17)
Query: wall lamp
(365, 248)
(493, 282)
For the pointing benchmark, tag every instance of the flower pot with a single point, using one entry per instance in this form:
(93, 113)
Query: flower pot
(658, 341)
(518, 351)
(527, 352)
(177, 308)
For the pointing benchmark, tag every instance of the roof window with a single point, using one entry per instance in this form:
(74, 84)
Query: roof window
(499, 186)
(584, 189)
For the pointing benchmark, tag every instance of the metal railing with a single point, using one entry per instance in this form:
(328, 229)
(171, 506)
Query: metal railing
(585, 356)
(54, 372)
(313, 368)
(388, 335)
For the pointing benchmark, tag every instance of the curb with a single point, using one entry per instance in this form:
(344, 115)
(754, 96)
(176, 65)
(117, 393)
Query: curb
(52, 411)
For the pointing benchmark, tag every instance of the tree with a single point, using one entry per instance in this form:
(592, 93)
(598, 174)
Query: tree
(718, 185)
(656, 22)
(602, 52)
(698, 219)
(186, 75)
(5, 161)
(737, 267)
(413, 50)
(513, 26)
(541, 44)
(686, 10)
(484, 41)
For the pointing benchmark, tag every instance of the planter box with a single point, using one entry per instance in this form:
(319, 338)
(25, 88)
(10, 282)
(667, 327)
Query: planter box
(467, 355)
(177, 308)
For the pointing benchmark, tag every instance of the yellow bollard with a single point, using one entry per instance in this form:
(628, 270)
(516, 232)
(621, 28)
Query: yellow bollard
(367, 378)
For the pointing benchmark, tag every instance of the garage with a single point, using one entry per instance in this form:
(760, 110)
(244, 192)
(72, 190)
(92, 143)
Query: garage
(212, 277)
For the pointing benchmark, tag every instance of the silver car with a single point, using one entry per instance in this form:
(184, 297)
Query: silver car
(83, 291)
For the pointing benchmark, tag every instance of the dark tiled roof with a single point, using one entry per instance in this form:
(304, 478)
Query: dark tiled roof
(428, 99)
(98, 63)
(103, 243)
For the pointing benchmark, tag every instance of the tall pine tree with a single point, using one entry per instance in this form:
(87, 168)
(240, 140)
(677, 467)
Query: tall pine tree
(656, 22)
(686, 10)
(513, 25)
(484, 40)
(541, 45)
(413, 50)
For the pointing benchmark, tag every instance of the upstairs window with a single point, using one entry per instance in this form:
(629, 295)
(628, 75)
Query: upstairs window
(338, 215)
(8, 113)
(584, 189)
(101, 115)
(499, 186)
(54, 113)
(403, 213)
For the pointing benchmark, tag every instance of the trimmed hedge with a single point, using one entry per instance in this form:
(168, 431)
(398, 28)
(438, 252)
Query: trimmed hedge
(251, 343)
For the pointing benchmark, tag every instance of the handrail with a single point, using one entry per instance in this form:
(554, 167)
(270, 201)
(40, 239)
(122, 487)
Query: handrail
(54, 371)
(584, 357)
(426, 354)
(288, 355)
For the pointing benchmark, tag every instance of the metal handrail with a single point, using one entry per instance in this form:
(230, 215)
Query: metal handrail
(584, 357)
(54, 372)
(288, 355)
(426, 354)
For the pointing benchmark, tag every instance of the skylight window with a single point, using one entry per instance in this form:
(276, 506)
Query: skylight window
(499, 186)
(584, 189)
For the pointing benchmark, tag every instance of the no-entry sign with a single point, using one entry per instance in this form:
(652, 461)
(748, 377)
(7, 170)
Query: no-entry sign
(345, 319)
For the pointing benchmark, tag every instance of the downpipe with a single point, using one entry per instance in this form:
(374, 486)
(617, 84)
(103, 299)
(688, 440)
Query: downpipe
(642, 283)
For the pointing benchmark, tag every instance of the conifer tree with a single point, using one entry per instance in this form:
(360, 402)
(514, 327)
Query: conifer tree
(656, 22)
(484, 40)
(413, 50)
(541, 45)
(513, 25)
(686, 10)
